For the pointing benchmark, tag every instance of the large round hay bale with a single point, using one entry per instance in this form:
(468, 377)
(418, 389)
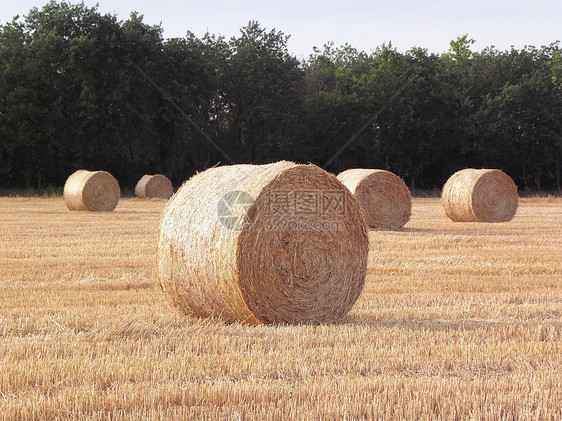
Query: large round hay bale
(385, 199)
(156, 185)
(263, 244)
(486, 195)
(91, 191)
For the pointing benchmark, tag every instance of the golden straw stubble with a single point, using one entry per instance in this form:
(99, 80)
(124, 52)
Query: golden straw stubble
(480, 195)
(385, 198)
(157, 186)
(268, 243)
(94, 191)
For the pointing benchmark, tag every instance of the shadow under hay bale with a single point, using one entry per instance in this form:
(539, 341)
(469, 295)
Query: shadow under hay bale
(385, 198)
(157, 185)
(276, 243)
(486, 195)
(94, 191)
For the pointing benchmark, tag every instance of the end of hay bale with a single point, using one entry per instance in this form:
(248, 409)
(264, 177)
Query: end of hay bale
(384, 197)
(276, 243)
(480, 195)
(94, 191)
(154, 186)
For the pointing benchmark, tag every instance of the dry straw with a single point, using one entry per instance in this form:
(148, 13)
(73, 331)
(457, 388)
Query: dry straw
(91, 191)
(486, 195)
(263, 244)
(383, 195)
(157, 185)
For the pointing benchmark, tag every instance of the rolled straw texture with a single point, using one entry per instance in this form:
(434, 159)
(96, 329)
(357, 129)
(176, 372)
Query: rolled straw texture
(156, 185)
(486, 195)
(95, 191)
(385, 198)
(276, 243)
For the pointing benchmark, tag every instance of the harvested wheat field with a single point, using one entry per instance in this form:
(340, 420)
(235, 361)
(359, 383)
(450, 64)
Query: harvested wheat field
(456, 321)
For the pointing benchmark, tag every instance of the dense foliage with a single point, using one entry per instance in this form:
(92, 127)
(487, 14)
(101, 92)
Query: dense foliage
(81, 89)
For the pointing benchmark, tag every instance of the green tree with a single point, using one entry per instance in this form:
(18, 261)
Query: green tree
(520, 125)
(256, 105)
(334, 88)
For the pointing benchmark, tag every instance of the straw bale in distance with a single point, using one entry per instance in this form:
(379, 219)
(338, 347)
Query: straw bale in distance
(385, 198)
(95, 191)
(486, 195)
(156, 185)
(268, 243)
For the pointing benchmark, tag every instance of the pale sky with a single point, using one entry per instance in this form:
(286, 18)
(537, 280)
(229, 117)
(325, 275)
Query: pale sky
(365, 25)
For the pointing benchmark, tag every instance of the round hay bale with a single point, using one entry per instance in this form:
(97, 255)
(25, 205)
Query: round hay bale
(385, 198)
(275, 243)
(95, 191)
(156, 185)
(486, 195)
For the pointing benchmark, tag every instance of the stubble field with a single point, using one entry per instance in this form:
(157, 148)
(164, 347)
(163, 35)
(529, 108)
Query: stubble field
(456, 321)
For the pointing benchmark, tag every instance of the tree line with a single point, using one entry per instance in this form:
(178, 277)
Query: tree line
(82, 89)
